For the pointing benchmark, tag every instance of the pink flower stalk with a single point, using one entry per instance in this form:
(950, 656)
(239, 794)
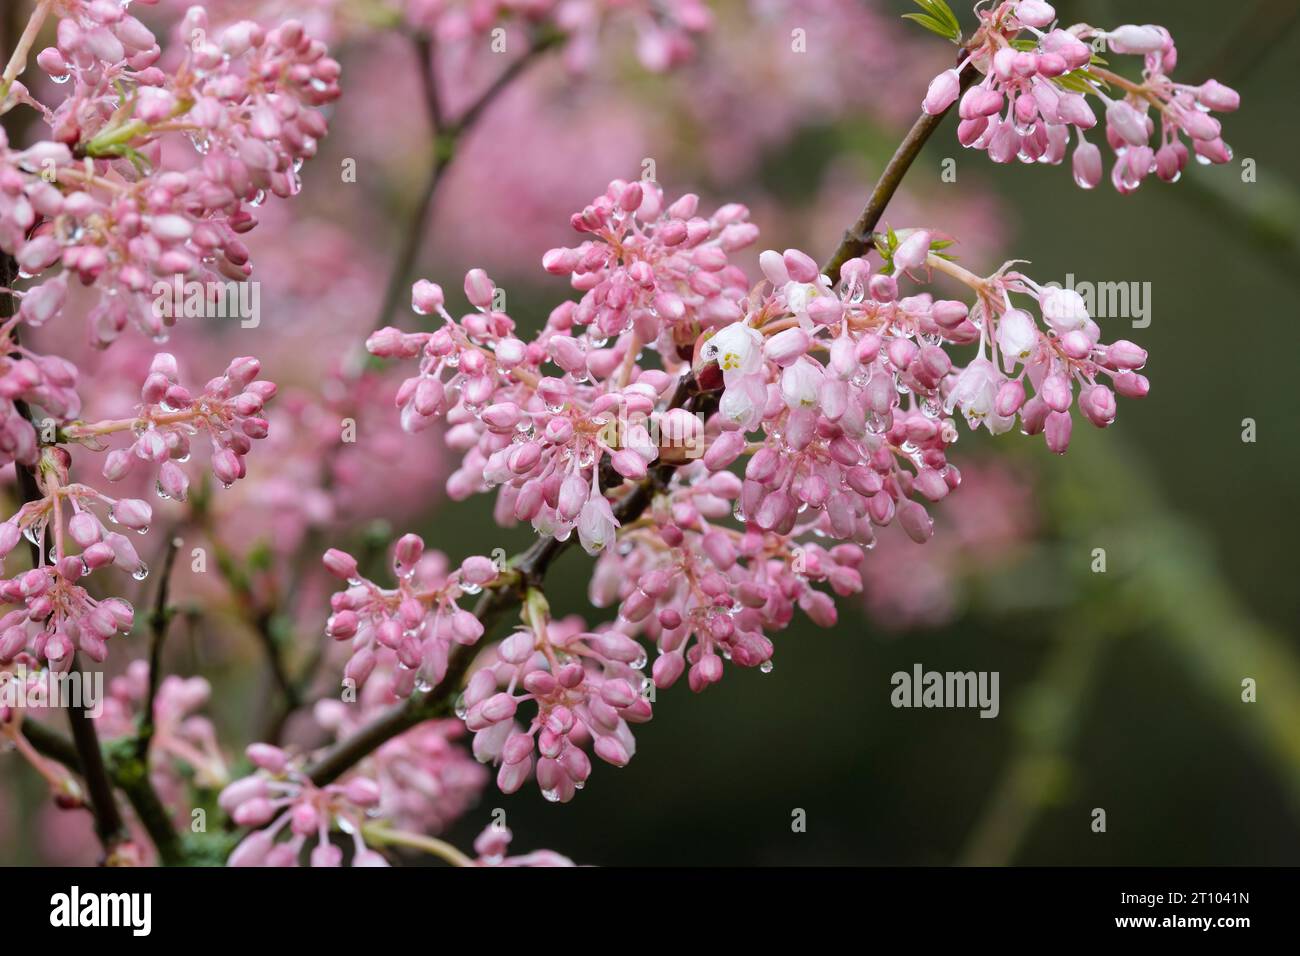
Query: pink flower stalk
(57, 616)
(279, 800)
(24, 676)
(1035, 86)
(706, 593)
(586, 689)
(228, 409)
(418, 621)
(653, 276)
(99, 198)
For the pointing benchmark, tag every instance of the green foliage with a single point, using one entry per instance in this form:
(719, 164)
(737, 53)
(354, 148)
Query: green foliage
(937, 18)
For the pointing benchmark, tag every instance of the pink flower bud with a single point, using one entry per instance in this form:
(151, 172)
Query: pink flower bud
(912, 251)
(267, 756)
(801, 266)
(942, 92)
(133, 513)
(1086, 165)
(1057, 432)
(478, 288)
(1214, 95)
(340, 564)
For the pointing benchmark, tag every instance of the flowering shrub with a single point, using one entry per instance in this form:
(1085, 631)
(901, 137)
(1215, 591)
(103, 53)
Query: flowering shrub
(727, 443)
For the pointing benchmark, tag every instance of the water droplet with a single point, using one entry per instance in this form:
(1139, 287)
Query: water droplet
(552, 796)
(141, 572)
(766, 666)
(460, 709)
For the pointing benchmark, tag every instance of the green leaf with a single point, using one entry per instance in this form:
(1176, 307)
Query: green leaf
(937, 18)
(1081, 80)
(931, 24)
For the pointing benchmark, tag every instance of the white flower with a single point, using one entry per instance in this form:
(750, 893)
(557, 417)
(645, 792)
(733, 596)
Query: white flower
(975, 391)
(801, 382)
(737, 349)
(1017, 335)
(742, 402)
(1063, 310)
(596, 523)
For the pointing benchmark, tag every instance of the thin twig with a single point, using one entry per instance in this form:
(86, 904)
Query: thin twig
(857, 238)
(446, 138)
(159, 621)
(109, 825)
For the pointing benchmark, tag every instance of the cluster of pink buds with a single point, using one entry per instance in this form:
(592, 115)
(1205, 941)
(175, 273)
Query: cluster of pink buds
(228, 410)
(420, 620)
(427, 779)
(586, 689)
(835, 415)
(1042, 366)
(94, 33)
(47, 381)
(1035, 86)
(653, 268)
(653, 276)
(706, 592)
(860, 437)
(97, 198)
(278, 799)
(56, 615)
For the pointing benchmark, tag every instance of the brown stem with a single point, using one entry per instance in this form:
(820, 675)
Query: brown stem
(159, 621)
(109, 825)
(857, 238)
